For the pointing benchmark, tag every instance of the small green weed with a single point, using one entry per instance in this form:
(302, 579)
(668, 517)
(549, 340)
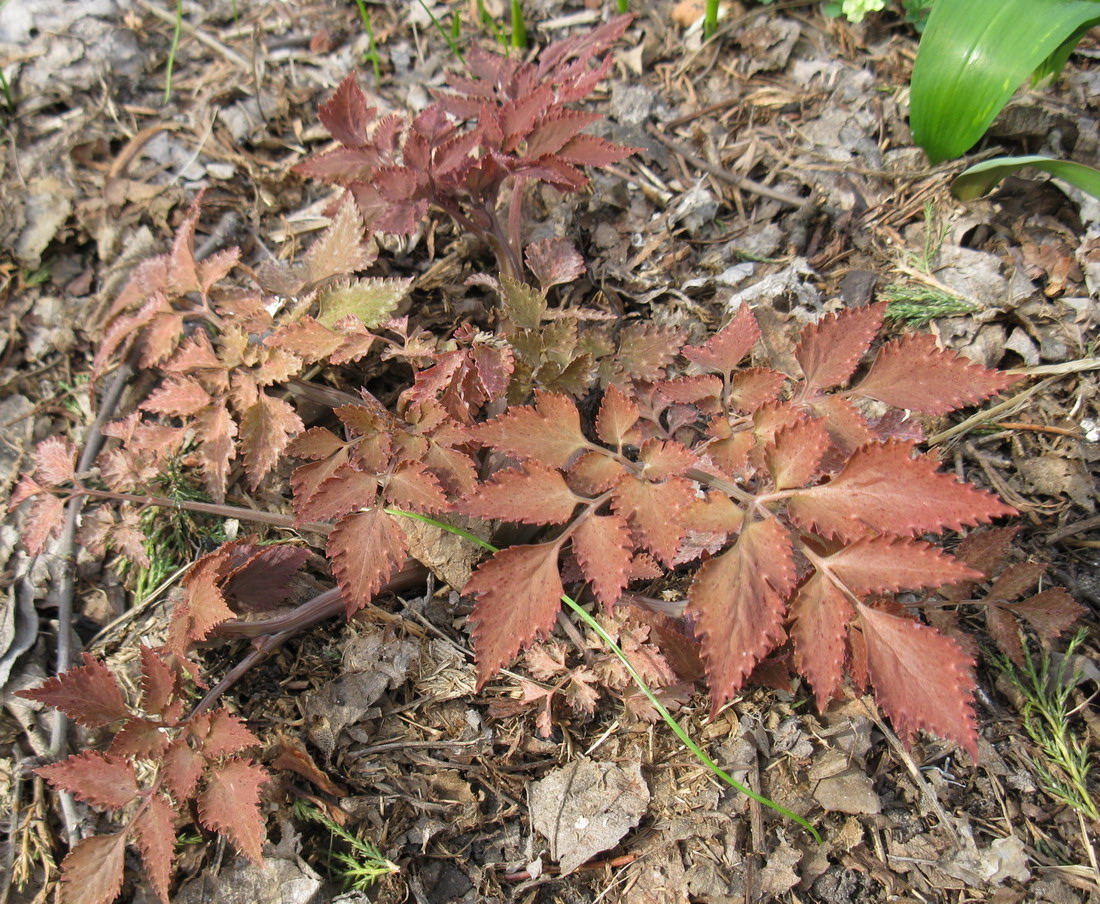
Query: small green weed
(919, 305)
(357, 869)
(1045, 687)
(173, 534)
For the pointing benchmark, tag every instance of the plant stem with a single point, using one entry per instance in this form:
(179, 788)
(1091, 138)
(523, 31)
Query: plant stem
(657, 705)
(205, 508)
(710, 20)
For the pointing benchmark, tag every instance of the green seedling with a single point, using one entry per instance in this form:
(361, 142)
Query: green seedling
(919, 305)
(1045, 686)
(356, 869)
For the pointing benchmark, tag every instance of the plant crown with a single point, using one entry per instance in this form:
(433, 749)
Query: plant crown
(800, 503)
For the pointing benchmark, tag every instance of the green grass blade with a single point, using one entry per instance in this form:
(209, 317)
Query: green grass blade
(973, 56)
(677, 729)
(372, 53)
(980, 178)
(519, 27)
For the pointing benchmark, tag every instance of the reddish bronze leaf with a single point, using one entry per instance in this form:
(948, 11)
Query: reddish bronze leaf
(884, 489)
(820, 612)
(716, 513)
(554, 262)
(226, 734)
(181, 768)
(158, 682)
(916, 374)
(795, 456)
(315, 444)
(143, 738)
(603, 546)
(595, 473)
(216, 428)
(365, 549)
(755, 387)
(43, 521)
(230, 805)
(347, 116)
(655, 512)
(830, 350)
(87, 694)
(266, 428)
(205, 601)
(156, 838)
(265, 580)
(666, 458)
(846, 425)
(179, 396)
(922, 679)
(548, 432)
(617, 417)
(885, 564)
(307, 479)
(646, 350)
(532, 494)
(413, 487)
(347, 490)
(723, 351)
(987, 549)
(101, 780)
(739, 601)
(519, 594)
(1050, 612)
(1015, 581)
(93, 870)
(55, 461)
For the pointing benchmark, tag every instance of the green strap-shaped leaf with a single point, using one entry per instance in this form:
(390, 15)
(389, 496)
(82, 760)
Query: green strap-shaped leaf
(973, 56)
(980, 178)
